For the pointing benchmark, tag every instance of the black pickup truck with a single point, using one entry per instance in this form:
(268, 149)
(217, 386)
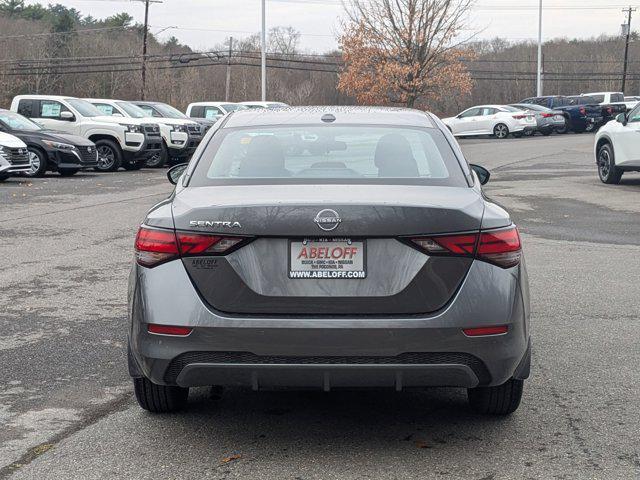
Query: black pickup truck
(581, 113)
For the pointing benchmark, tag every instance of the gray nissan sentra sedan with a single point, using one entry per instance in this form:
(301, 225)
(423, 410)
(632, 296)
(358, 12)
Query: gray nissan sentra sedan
(328, 248)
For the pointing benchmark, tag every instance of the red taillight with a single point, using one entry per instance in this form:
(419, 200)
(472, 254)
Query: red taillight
(198, 244)
(583, 111)
(155, 246)
(547, 115)
(484, 331)
(519, 117)
(500, 247)
(449, 244)
(169, 330)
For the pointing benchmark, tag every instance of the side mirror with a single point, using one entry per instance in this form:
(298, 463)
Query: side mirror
(175, 172)
(621, 118)
(482, 173)
(68, 116)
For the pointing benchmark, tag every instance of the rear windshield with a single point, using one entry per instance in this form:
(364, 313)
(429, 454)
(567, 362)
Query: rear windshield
(328, 154)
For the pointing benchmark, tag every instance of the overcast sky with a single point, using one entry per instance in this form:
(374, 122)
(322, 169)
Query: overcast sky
(204, 23)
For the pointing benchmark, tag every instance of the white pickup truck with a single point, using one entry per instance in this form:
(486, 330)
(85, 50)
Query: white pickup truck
(612, 98)
(121, 142)
(14, 157)
(174, 132)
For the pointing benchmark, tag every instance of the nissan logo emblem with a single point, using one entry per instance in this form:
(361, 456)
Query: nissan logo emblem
(327, 219)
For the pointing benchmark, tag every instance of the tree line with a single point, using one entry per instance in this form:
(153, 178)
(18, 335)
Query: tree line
(56, 50)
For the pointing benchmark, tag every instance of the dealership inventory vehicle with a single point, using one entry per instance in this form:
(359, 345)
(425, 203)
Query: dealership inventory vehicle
(264, 104)
(172, 133)
(496, 120)
(49, 150)
(212, 110)
(617, 147)
(581, 114)
(615, 100)
(372, 259)
(547, 121)
(121, 142)
(14, 157)
(178, 151)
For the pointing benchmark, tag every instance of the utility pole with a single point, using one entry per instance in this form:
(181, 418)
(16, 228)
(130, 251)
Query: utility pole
(626, 47)
(226, 91)
(144, 45)
(263, 52)
(539, 75)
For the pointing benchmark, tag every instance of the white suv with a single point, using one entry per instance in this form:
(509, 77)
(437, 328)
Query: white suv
(14, 156)
(120, 142)
(173, 133)
(617, 146)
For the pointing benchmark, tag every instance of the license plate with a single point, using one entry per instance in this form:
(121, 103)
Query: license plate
(332, 258)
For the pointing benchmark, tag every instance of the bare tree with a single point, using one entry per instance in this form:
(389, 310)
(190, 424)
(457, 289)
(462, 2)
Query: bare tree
(405, 51)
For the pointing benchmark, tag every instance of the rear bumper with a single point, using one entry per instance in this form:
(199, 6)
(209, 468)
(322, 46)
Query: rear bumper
(326, 353)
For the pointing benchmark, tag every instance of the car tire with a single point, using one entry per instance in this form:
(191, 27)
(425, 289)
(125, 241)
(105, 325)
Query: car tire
(546, 133)
(38, 161)
(68, 172)
(159, 398)
(529, 133)
(501, 131)
(499, 400)
(517, 135)
(159, 160)
(607, 170)
(109, 156)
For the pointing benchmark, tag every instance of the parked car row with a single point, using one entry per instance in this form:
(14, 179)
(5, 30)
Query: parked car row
(62, 134)
(547, 114)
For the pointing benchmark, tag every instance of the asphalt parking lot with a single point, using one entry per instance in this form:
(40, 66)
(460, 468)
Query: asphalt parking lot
(66, 405)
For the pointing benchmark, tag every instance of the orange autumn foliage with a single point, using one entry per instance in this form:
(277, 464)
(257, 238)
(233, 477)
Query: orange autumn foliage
(402, 61)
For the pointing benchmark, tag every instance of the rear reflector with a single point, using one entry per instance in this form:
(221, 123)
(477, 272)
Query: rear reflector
(169, 330)
(500, 247)
(484, 331)
(156, 246)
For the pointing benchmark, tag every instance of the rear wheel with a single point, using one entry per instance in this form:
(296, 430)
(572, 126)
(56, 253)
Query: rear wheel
(67, 172)
(159, 398)
(38, 163)
(109, 156)
(607, 170)
(501, 131)
(529, 133)
(500, 400)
